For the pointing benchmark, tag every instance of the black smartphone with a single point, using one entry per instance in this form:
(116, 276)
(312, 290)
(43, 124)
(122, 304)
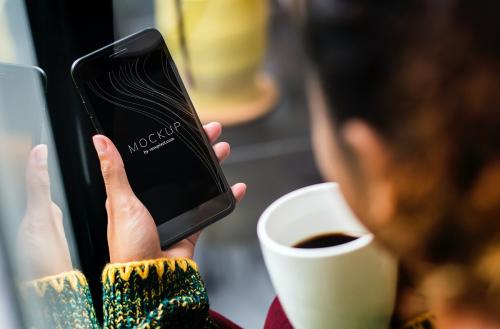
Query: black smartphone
(134, 95)
(22, 100)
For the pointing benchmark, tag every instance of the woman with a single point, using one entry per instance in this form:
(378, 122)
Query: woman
(406, 118)
(412, 136)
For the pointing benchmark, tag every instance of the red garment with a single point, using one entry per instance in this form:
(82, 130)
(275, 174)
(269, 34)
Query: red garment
(276, 318)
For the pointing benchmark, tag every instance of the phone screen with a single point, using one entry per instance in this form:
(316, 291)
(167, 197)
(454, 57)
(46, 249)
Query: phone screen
(138, 102)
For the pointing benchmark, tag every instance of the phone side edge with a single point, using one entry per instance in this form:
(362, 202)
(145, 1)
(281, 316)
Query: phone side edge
(200, 226)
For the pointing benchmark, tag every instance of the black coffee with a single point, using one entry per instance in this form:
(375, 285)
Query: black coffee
(325, 240)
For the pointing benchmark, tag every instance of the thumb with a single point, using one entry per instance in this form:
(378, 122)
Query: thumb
(37, 179)
(112, 169)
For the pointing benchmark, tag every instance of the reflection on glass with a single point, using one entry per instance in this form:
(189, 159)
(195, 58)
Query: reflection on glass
(15, 34)
(33, 211)
(41, 243)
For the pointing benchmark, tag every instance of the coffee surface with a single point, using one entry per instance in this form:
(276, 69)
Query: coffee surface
(325, 240)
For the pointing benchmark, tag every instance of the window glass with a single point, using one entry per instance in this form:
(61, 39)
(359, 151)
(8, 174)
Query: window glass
(230, 54)
(35, 222)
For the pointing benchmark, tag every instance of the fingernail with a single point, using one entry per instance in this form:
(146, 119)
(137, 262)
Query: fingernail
(100, 145)
(41, 154)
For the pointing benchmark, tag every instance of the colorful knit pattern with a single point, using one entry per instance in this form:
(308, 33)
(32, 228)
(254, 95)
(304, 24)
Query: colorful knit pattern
(161, 293)
(425, 321)
(60, 301)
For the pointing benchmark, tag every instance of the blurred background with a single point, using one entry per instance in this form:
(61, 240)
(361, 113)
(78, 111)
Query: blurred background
(244, 66)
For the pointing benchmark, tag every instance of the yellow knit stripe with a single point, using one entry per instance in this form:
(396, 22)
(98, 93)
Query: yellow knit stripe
(182, 264)
(143, 268)
(160, 268)
(81, 278)
(192, 263)
(75, 279)
(171, 264)
(125, 272)
(40, 289)
(143, 273)
(58, 284)
(109, 274)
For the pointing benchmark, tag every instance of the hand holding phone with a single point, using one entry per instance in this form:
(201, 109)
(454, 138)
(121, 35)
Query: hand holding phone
(132, 233)
(134, 95)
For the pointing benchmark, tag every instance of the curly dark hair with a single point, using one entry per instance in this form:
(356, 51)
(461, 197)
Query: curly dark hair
(426, 76)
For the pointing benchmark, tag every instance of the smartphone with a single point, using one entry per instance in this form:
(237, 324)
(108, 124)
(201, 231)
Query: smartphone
(22, 118)
(133, 94)
(22, 101)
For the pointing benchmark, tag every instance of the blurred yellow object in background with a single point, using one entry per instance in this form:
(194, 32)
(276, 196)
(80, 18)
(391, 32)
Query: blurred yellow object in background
(219, 47)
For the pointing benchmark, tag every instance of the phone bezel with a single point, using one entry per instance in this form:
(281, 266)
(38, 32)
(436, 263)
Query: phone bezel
(193, 220)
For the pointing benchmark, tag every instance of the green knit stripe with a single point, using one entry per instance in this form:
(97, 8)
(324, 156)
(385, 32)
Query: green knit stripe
(62, 301)
(154, 294)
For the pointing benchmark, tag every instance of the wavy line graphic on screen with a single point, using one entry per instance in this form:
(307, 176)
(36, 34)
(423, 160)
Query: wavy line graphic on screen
(118, 81)
(136, 84)
(181, 102)
(165, 62)
(150, 89)
(131, 75)
(134, 81)
(109, 98)
(118, 86)
(174, 95)
(125, 80)
(172, 81)
(162, 122)
(187, 141)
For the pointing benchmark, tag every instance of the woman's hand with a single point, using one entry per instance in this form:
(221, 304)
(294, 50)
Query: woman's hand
(41, 242)
(132, 233)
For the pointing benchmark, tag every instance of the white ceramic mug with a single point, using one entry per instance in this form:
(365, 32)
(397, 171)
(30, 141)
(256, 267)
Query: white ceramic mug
(348, 286)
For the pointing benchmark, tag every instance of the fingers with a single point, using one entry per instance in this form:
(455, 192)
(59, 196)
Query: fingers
(222, 150)
(239, 191)
(213, 130)
(37, 179)
(112, 169)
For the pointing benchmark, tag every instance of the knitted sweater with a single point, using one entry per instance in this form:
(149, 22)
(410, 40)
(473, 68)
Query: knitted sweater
(161, 293)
